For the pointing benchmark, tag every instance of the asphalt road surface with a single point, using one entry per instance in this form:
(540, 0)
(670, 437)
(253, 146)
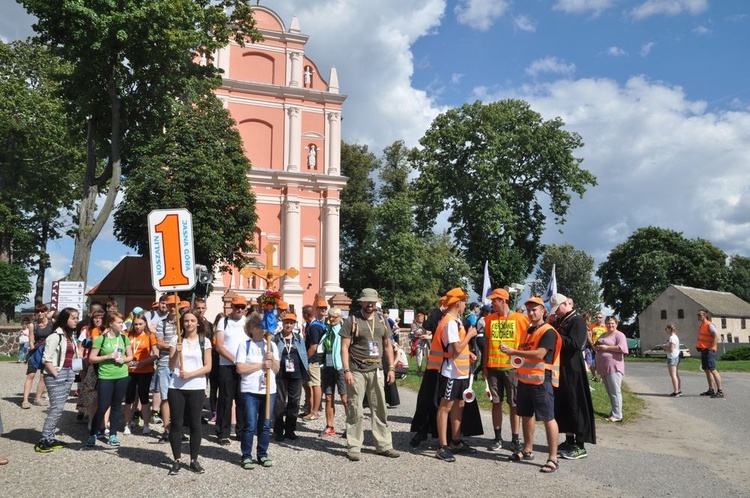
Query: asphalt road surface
(691, 446)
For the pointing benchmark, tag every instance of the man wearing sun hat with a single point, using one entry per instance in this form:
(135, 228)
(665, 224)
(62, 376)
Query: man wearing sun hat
(453, 340)
(502, 327)
(364, 338)
(230, 336)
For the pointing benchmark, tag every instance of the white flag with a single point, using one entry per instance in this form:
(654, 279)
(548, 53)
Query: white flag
(486, 286)
(551, 286)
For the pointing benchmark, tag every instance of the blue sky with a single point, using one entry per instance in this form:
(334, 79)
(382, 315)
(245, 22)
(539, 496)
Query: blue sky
(658, 89)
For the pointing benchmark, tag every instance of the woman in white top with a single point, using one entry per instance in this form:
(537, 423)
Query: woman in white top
(673, 360)
(253, 360)
(187, 387)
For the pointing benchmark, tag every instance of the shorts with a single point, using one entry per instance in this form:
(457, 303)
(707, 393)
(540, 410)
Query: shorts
(452, 389)
(161, 381)
(708, 359)
(314, 371)
(536, 400)
(673, 361)
(141, 382)
(331, 380)
(502, 383)
(31, 370)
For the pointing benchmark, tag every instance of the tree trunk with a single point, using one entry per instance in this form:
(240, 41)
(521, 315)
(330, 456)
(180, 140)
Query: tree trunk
(89, 225)
(43, 263)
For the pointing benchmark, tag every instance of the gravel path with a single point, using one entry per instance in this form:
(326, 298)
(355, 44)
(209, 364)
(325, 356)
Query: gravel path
(660, 455)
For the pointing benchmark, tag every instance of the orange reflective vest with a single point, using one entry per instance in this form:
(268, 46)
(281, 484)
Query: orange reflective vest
(705, 337)
(437, 355)
(503, 331)
(532, 371)
(596, 332)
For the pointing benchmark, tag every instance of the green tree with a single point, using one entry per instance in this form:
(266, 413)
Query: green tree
(131, 62)
(651, 259)
(14, 287)
(574, 272)
(198, 163)
(357, 223)
(739, 277)
(41, 160)
(496, 168)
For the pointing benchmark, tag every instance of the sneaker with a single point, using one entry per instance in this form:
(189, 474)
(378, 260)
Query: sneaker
(354, 456)
(113, 441)
(445, 455)
(101, 437)
(225, 441)
(43, 447)
(496, 445)
(174, 469)
(156, 419)
(710, 392)
(674, 394)
(564, 447)
(329, 431)
(461, 447)
(127, 430)
(516, 445)
(56, 445)
(146, 430)
(718, 394)
(576, 453)
(291, 436)
(91, 441)
(196, 467)
(164, 438)
(185, 439)
(247, 463)
(390, 453)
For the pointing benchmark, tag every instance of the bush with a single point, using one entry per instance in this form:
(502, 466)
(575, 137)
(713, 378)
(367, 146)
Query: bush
(737, 354)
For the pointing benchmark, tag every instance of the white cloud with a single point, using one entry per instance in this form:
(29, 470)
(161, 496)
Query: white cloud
(660, 158)
(524, 23)
(616, 52)
(668, 8)
(550, 65)
(480, 14)
(583, 6)
(456, 78)
(646, 48)
(107, 264)
(376, 67)
(701, 30)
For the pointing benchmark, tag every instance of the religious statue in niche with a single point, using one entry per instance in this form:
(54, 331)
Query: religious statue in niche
(312, 156)
(308, 76)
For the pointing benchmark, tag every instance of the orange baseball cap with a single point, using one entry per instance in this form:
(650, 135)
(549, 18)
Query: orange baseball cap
(154, 305)
(184, 305)
(499, 293)
(536, 301)
(239, 300)
(321, 303)
(171, 299)
(289, 317)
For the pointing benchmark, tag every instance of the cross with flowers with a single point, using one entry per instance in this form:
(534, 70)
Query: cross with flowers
(268, 273)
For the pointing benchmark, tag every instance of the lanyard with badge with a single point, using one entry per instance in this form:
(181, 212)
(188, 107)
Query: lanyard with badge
(288, 362)
(374, 346)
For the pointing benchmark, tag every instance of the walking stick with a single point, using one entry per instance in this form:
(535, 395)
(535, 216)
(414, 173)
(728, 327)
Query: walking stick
(268, 379)
(179, 332)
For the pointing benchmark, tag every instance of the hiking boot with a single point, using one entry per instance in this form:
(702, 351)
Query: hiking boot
(710, 392)
(496, 445)
(718, 394)
(445, 455)
(43, 447)
(575, 453)
(329, 431)
(390, 453)
(354, 456)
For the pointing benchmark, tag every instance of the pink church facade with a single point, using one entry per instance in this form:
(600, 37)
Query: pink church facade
(289, 119)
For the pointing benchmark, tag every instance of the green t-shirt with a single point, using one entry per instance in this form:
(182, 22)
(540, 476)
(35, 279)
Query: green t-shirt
(366, 348)
(109, 369)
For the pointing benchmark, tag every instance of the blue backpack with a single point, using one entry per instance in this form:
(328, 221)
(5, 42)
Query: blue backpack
(36, 357)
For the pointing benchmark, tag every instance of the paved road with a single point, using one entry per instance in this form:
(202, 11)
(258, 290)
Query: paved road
(670, 452)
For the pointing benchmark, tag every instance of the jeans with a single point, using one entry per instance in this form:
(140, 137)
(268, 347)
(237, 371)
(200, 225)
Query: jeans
(111, 395)
(23, 350)
(254, 408)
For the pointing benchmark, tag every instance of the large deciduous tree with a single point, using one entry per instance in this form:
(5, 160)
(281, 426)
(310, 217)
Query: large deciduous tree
(652, 258)
(497, 169)
(197, 163)
(574, 272)
(14, 287)
(132, 60)
(40, 158)
(739, 277)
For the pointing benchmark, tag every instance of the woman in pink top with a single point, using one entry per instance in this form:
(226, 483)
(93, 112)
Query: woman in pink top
(611, 348)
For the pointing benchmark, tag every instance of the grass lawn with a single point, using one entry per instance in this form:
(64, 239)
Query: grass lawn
(632, 404)
(694, 364)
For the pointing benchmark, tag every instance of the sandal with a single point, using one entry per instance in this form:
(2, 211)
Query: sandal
(521, 455)
(248, 464)
(549, 469)
(265, 462)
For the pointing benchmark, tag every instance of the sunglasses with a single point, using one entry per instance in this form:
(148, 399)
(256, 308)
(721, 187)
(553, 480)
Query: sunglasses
(239, 306)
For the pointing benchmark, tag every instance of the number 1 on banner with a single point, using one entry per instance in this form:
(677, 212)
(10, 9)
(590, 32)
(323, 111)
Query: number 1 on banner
(170, 235)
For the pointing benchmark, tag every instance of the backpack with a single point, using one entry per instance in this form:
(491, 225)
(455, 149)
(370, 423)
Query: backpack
(36, 357)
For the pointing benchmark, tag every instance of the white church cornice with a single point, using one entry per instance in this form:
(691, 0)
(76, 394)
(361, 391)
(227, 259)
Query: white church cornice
(279, 179)
(283, 92)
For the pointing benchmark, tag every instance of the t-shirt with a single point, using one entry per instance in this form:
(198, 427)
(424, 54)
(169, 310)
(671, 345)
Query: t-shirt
(673, 339)
(154, 318)
(23, 336)
(109, 369)
(548, 342)
(165, 330)
(191, 354)
(142, 344)
(450, 336)
(609, 362)
(255, 352)
(366, 348)
(234, 335)
(313, 335)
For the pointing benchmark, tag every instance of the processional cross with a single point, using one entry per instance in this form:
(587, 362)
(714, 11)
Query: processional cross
(268, 273)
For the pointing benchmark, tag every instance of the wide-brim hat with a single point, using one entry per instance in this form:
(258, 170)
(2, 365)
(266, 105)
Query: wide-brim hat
(368, 296)
(555, 301)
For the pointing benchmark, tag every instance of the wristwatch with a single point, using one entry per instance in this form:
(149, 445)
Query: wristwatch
(346, 371)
